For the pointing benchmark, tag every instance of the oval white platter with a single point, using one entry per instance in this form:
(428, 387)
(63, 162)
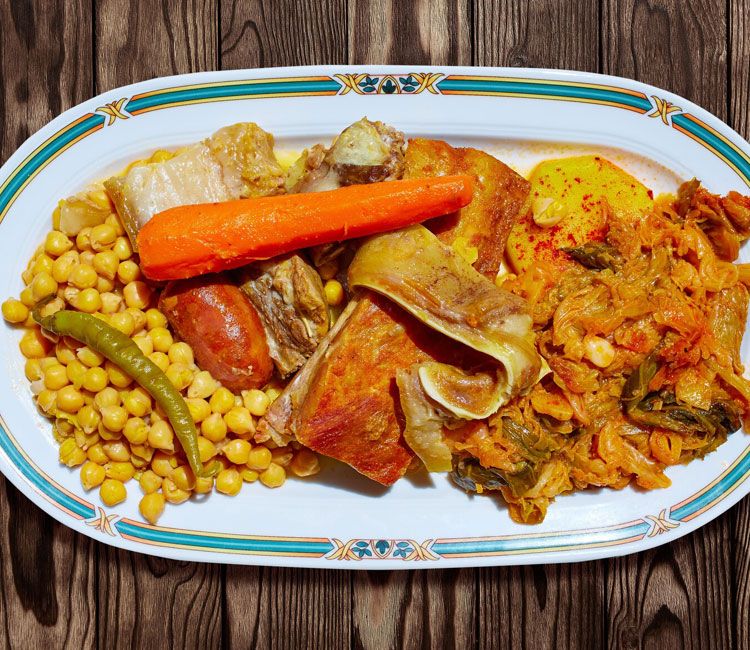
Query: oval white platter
(339, 519)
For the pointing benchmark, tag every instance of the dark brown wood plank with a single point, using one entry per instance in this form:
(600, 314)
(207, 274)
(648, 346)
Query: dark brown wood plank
(390, 31)
(263, 34)
(147, 602)
(141, 40)
(678, 595)
(552, 606)
(48, 571)
(282, 608)
(739, 119)
(537, 34)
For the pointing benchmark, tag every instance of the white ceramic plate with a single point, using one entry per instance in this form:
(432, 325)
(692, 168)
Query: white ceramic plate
(339, 519)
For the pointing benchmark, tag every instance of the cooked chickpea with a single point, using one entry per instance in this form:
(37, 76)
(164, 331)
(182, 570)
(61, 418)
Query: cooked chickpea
(137, 402)
(172, 493)
(181, 352)
(89, 418)
(84, 440)
(128, 271)
(214, 428)
(95, 379)
(151, 507)
(92, 475)
(42, 264)
(63, 353)
(43, 285)
(100, 198)
(240, 421)
(47, 401)
(95, 454)
(76, 372)
(136, 431)
(154, 319)
(334, 292)
(33, 370)
(274, 476)
(282, 456)
(55, 377)
(161, 436)
(183, 477)
(69, 294)
(162, 339)
(180, 375)
(27, 297)
(144, 343)
(88, 301)
(114, 221)
(112, 492)
(117, 377)
(163, 464)
(89, 357)
(56, 243)
(229, 482)
(120, 470)
(104, 285)
(102, 236)
(14, 311)
(122, 248)
(237, 451)
(305, 463)
(106, 397)
(139, 318)
(221, 401)
(272, 394)
(161, 360)
(69, 399)
(106, 263)
(248, 475)
(64, 265)
(110, 302)
(206, 449)
(199, 409)
(114, 417)
(259, 459)
(150, 482)
(71, 454)
(83, 276)
(204, 385)
(203, 484)
(123, 322)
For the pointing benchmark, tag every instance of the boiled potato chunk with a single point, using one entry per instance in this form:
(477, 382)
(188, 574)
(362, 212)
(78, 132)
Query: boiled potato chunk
(569, 200)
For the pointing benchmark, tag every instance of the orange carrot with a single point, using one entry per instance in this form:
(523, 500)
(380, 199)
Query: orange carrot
(195, 239)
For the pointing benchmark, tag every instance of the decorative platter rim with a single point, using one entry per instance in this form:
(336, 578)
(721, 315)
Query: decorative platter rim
(591, 92)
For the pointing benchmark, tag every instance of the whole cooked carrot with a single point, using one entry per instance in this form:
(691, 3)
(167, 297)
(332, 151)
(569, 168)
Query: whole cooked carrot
(192, 240)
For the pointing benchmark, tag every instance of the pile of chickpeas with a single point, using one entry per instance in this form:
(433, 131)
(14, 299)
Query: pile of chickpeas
(105, 423)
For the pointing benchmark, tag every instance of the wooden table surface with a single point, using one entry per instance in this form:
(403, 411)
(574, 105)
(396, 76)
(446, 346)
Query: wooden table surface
(60, 589)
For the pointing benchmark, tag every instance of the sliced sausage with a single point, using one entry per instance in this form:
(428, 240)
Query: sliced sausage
(216, 319)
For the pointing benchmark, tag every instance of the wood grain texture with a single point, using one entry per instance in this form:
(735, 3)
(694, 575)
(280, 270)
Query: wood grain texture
(739, 119)
(391, 31)
(537, 34)
(48, 572)
(263, 34)
(677, 595)
(147, 602)
(141, 40)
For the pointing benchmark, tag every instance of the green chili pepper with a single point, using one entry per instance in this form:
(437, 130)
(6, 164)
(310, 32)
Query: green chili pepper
(123, 352)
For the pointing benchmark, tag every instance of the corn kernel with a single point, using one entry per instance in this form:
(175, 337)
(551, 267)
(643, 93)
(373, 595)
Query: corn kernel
(598, 350)
(112, 492)
(237, 451)
(92, 475)
(150, 482)
(151, 507)
(274, 476)
(14, 311)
